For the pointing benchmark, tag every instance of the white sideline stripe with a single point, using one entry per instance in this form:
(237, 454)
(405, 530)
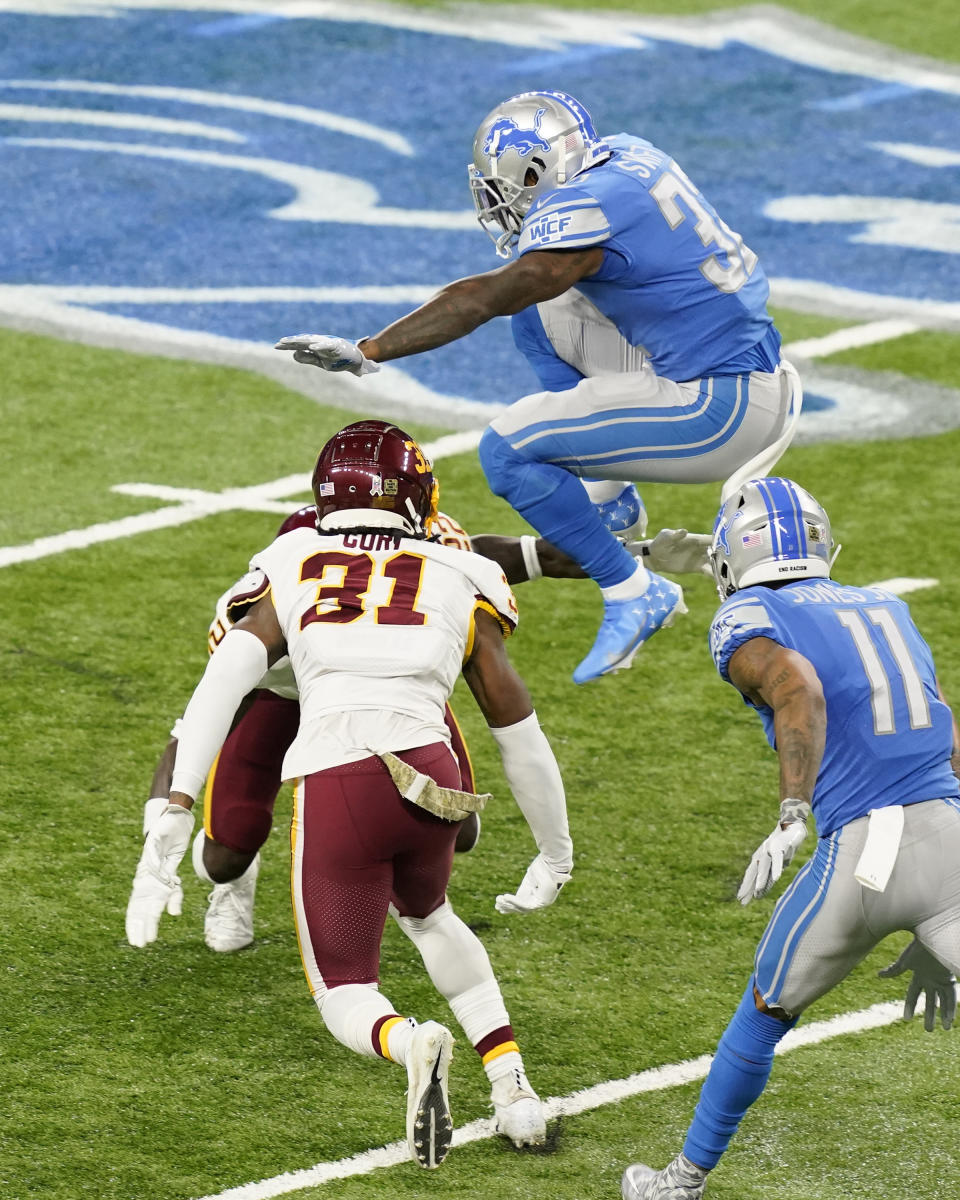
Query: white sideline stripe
(900, 585)
(191, 504)
(94, 294)
(653, 1080)
(849, 339)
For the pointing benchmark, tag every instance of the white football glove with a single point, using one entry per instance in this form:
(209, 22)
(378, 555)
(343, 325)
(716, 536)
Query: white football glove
(328, 353)
(675, 551)
(539, 888)
(768, 862)
(156, 885)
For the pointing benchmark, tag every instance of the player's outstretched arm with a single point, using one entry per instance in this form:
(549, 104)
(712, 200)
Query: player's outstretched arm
(453, 312)
(673, 550)
(786, 682)
(528, 763)
(234, 669)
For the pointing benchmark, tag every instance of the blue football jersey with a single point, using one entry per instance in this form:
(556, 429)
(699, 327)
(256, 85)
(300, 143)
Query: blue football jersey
(889, 736)
(675, 278)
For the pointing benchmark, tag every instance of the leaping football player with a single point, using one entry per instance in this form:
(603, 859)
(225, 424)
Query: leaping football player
(644, 315)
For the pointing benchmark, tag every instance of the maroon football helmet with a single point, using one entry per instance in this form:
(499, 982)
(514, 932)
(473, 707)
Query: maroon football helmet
(303, 518)
(373, 475)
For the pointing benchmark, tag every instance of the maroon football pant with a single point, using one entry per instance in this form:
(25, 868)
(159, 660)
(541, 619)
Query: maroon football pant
(242, 786)
(357, 847)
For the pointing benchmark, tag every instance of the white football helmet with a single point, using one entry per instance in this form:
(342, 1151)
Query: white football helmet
(526, 146)
(770, 531)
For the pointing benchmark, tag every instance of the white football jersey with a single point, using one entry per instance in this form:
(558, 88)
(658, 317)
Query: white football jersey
(239, 597)
(378, 627)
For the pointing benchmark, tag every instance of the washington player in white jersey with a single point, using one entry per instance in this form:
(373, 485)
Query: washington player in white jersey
(654, 284)
(378, 624)
(242, 787)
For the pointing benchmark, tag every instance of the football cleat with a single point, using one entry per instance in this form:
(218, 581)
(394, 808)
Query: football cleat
(228, 924)
(517, 1112)
(679, 1180)
(429, 1124)
(627, 624)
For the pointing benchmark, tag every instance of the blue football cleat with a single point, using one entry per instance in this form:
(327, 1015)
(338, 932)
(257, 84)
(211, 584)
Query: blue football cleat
(627, 624)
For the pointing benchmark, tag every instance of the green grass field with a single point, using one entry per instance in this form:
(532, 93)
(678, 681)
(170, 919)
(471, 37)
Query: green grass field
(173, 1073)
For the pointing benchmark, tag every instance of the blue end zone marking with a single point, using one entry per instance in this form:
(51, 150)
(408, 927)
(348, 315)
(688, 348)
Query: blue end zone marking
(236, 24)
(874, 95)
(218, 229)
(563, 58)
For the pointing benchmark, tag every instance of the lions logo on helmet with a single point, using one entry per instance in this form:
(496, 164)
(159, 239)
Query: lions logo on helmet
(373, 475)
(553, 140)
(770, 531)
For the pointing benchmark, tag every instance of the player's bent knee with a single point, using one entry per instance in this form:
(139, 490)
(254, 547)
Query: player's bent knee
(216, 863)
(761, 1006)
(510, 474)
(499, 461)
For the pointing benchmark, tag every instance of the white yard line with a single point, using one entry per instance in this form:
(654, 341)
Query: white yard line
(850, 338)
(653, 1080)
(192, 504)
(900, 585)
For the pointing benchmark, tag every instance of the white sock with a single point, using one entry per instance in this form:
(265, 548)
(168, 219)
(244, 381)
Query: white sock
(350, 1012)
(504, 1064)
(631, 587)
(398, 1039)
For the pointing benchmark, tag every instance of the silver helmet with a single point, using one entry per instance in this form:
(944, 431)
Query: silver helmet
(526, 146)
(769, 531)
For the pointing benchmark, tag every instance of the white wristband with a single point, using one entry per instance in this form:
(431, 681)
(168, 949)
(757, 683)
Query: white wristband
(531, 560)
(534, 778)
(235, 668)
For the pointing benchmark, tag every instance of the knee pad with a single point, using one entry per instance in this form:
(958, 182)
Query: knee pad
(498, 460)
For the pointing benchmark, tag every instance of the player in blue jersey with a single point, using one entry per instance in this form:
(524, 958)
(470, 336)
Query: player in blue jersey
(645, 317)
(846, 690)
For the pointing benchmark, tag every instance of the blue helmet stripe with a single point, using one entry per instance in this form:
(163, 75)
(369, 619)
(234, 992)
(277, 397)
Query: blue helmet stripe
(786, 517)
(763, 486)
(584, 119)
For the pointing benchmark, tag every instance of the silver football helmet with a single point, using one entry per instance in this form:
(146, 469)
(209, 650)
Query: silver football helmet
(770, 531)
(526, 146)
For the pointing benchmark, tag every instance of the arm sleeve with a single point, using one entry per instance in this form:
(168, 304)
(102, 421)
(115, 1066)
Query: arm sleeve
(534, 778)
(235, 668)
